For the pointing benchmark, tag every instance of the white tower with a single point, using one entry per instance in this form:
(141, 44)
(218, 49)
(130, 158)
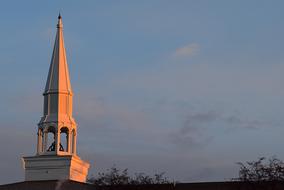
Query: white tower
(56, 156)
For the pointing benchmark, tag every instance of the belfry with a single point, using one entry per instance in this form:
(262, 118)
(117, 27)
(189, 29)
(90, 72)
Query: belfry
(56, 157)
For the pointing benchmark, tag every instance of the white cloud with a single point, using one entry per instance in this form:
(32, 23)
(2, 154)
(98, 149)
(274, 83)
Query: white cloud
(187, 50)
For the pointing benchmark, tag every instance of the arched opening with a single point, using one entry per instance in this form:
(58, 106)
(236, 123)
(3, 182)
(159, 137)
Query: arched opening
(64, 139)
(50, 139)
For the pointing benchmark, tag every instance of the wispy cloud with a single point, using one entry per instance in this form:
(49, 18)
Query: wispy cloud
(187, 50)
(194, 132)
(234, 121)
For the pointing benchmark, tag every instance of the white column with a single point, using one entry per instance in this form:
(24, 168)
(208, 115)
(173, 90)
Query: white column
(42, 144)
(68, 141)
(57, 140)
(39, 141)
(45, 140)
(38, 150)
(74, 143)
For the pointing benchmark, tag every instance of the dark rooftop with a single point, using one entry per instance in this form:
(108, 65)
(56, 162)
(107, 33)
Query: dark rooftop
(73, 185)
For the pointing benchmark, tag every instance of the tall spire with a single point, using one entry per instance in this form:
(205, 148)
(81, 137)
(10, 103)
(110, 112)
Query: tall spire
(58, 91)
(58, 77)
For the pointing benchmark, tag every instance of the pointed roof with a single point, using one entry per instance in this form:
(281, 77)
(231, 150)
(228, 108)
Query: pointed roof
(58, 80)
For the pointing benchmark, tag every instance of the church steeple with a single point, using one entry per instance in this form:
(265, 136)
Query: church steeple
(56, 157)
(57, 113)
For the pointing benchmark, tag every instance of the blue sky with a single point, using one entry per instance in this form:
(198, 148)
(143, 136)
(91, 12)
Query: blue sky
(183, 87)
